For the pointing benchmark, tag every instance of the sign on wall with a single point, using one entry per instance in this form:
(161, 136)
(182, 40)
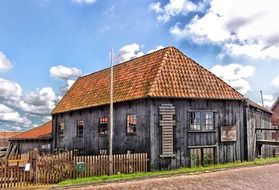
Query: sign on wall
(228, 133)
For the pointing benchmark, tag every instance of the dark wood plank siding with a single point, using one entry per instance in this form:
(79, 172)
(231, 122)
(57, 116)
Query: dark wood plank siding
(258, 119)
(226, 113)
(92, 141)
(149, 133)
(26, 146)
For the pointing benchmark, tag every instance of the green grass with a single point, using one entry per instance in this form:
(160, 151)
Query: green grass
(106, 178)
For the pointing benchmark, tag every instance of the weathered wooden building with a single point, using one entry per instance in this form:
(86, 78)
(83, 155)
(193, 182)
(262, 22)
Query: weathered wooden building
(4, 138)
(165, 104)
(275, 118)
(275, 110)
(39, 138)
(4, 141)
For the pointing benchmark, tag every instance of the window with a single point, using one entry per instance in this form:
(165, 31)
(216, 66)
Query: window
(201, 121)
(78, 151)
(45, 146)
(103, 151)
(103, 126)
(208, 156)
(131, 124)
(130, 151)
(195, 155)
(61, 127)
(80, 124)
(202, 156)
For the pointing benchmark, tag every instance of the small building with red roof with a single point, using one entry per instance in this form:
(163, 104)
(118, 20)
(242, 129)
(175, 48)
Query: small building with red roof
(4, 138)
(37, 138)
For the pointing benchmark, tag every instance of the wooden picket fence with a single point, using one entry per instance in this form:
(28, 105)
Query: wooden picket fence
(12, 172)
(51, 169)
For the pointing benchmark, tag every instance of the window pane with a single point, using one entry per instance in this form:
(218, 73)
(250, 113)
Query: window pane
(195, 121)
(201, 120)
(78, 151)
(61, 127)
(130, 151)
(195, 156)
(103, 125)
(131, 123)
(103, 151)
(208, 156)
(80, 128)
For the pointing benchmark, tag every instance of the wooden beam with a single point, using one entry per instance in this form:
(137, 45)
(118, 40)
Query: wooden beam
(203, 146)
(267, 129)
(268, 142)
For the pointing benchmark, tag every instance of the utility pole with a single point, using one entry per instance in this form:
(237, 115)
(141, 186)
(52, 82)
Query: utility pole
(111, 115)
(262, 97)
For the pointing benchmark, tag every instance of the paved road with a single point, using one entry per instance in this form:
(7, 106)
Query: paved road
(255, 178)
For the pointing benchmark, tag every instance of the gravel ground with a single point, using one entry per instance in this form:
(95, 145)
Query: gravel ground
(255, 178)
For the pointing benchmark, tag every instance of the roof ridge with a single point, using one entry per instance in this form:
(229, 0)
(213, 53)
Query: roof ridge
(155, 79)
(126, 62)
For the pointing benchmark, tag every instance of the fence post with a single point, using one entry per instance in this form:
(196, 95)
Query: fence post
(110, 164)
(34, 165)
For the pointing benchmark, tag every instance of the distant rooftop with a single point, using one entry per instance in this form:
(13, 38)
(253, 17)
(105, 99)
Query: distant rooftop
(42, 132)
(4, 136)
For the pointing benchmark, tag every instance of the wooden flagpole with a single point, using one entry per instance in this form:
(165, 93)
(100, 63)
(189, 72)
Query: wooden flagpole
(111, 115)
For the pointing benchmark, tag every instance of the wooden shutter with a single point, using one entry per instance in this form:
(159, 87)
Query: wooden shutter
(167, 112)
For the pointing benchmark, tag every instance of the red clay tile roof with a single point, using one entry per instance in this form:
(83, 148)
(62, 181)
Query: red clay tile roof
(4, 136)
(42, 132)
(164, 73)
(8, 134)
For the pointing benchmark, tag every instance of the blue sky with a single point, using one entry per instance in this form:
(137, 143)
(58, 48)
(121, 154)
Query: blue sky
(46, 44)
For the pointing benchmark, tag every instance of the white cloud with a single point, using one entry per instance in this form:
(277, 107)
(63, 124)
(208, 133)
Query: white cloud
(63, 72)
(46, 119)
(178, 32)
(199, 30)
(9, 115)
(235, 75)
(173, 8)
(68, 84)
(256, 50)
(156, 7)
(84, 1)
(39, 102)
(5, 63)
(17, 107)
(156, 49)
(16, 128)
(268, 100)
(129, 51)
(5, 109)
(36, 104)
(240, 27)
(9, 89)
(275, 81)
